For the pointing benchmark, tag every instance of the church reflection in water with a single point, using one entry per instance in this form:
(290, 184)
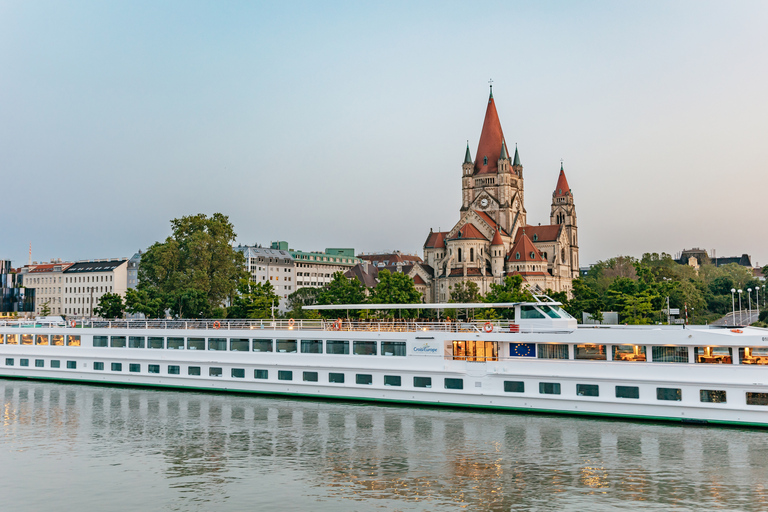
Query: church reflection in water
(393, 456)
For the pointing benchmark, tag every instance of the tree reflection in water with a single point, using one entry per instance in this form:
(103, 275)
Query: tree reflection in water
(188, 451)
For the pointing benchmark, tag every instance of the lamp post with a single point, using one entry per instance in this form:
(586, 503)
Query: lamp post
(749, 290)
(733, 305)
(741, 322)
(757, 299)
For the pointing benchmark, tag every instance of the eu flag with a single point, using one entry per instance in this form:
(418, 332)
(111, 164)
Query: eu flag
(522, 349)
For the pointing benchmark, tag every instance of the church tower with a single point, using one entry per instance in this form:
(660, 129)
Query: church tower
(563, 212)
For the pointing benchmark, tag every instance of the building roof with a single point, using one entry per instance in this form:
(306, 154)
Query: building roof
(48, 267)
(516, 161)
(562, 189)
(368, 278)
(418, 280)
(489, 220)
(471, 271)
(497, 239)
(393, 258)
(526, 274)
(525, 248)
(435, 240)
(469, 232)
(254, 252)
(491, 139)
(95, 266)
(467, 155)
(547, 233)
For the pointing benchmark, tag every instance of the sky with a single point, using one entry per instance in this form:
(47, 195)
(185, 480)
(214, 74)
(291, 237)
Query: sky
(344, 124)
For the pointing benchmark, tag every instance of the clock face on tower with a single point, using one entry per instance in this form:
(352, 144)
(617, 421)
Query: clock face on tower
(484, 202)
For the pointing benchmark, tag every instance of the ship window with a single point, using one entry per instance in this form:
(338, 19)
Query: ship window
(262, 345)
(155, 342)
(134, 367)
(589, 351)
(392, 380)
(628, 353)
(39, 363)
(136, 341)
(512, 386)
(337, 347)
(174, 369)
(422, 382)
(117, 341)
(55, 363)
(260, 374)
(98, 341)
(393, 348)
(673, 394)
(454, 383)
(215, 371)
(552, 351)
(176, 343)
(96, 366)
(336, 378)
(530, 312)
(8, 361)
(27, 339)
(192, 343)
(288, 346)
(153, 368)
(310, 376)
(747, 355)
(284, 375)
(239, 345)
(714, 396)
(57, 340)
(549, 388)
(193, 370)
(217, 344)
(23, 362)
(71, 365)
(757, 398)
(117, 367)
(627, 392)
(587, 390)
(364, 348)
(12, 339)
(721, 355)
(670, 354)
(311, 346)
(2, 339)
(364, 379)
(238, 373)
(474, 350)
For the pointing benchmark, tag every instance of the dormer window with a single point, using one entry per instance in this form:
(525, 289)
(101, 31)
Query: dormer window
(517, 255)
(535, 237)
(485, 160)
(533, 255)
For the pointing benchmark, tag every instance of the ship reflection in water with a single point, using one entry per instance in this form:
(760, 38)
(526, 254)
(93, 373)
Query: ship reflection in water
(123, 449)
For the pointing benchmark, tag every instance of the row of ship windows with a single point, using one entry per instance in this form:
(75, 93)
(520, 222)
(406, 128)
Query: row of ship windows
(40, 339)
(638, 353)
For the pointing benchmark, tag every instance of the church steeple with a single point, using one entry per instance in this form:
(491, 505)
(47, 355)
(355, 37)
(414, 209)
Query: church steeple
(504, 154)
(491, 139)
(516, 161)
(467, 155)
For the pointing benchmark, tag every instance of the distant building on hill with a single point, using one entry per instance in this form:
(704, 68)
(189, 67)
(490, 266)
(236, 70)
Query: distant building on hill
(696, 257)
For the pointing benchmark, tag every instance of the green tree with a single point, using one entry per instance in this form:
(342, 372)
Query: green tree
(395, 288)
(465, 291)
(110, 306)
(510, 290)
(45, 309)
(253, 300)
(195, 269)
(146, 302)
(306, 296)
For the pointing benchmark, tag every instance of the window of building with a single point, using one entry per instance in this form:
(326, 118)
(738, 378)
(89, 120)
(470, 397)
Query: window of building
(117, 367)
(284, 375)
(750, 355)
(98, 366)
(336, 378)
(672, 394)
(311, 346)
(217, 344)
(393, 348)
(193, 343)
(454, 383)
(364, 348)
(214, 371)
(669, 354)
(117, 341)
(260, 374)
(337, 347)
(287, 346)
(239, 345)
(721, 355)
(587, 390)
(392, 380)
(363, 379)
(589, 351)
(310, 376)
(156, 342)
(136, 341)
(134, 368)
(628, 353)
(552, 351)
(712, 395)
(262, 345)
(549, 388)
(100, 341)
(422, 382)
(8, 361)
(57, 340)
(514, 386)
(12, 339)
(153, 368)
(193, 371)
(757, 398)
(238, 373)
(174, 369)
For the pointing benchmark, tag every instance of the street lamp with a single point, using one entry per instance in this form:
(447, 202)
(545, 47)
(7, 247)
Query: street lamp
(750, 305)
(741, 322)
(757, 299)
(733, 305)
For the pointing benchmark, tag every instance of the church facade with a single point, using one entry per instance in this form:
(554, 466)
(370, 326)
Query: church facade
(493, 239)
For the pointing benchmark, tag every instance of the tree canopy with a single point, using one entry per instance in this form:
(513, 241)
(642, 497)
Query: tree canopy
(110, 306)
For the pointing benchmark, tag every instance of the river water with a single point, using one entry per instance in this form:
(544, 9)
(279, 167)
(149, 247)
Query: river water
(79, 447)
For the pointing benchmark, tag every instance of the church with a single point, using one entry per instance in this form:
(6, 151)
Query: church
(493, 239)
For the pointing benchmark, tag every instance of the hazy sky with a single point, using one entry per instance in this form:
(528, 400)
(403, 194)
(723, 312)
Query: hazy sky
(344, 124)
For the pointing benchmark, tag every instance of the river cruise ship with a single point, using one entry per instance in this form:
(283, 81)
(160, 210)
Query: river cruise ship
(540, 361)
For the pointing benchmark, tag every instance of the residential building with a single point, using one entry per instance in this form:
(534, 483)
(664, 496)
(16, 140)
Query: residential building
(133, 270)
(394, 259)
(13, 297)
(84, 283)
(275, 266)
(46, 279)
(317, 268)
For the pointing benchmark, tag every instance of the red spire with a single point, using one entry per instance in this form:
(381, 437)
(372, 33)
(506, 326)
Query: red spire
(497, 238)
(562, 189)
(491, 139)
(524, 250)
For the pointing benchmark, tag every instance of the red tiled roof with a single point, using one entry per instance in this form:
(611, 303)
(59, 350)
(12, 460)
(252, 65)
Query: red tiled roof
(526, 249)
(48, 267)
(418, 280)
(548, 233)
(435, 240)
(562, 189)
(491, 138)
(469, 231)
(497, 239)
(470, 272)
(515, 272)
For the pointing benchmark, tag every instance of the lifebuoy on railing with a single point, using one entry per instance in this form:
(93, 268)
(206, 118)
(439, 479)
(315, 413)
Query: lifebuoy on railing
(291, 323)
(337, 325)
(488, 327)
(216, 324)
(72, 323)
(737, 331)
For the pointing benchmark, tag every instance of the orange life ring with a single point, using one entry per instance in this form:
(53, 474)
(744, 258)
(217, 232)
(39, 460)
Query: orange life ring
(72, 323)
(738, 331)
(216, 324)
(488, 327)
(291, 322)
(337, 325)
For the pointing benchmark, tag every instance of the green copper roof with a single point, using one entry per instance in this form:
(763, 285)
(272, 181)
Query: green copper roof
(503, 151)
(467, 156)
(517, 157)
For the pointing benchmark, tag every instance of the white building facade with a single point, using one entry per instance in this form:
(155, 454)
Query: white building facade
(85, 282)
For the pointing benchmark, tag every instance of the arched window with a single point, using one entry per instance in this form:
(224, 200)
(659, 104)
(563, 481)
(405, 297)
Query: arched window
(533, 254)
(459, 254)
(471, 254)
(517, 255)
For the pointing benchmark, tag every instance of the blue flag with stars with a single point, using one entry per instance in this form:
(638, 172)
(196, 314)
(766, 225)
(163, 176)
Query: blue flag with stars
(522, 349)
